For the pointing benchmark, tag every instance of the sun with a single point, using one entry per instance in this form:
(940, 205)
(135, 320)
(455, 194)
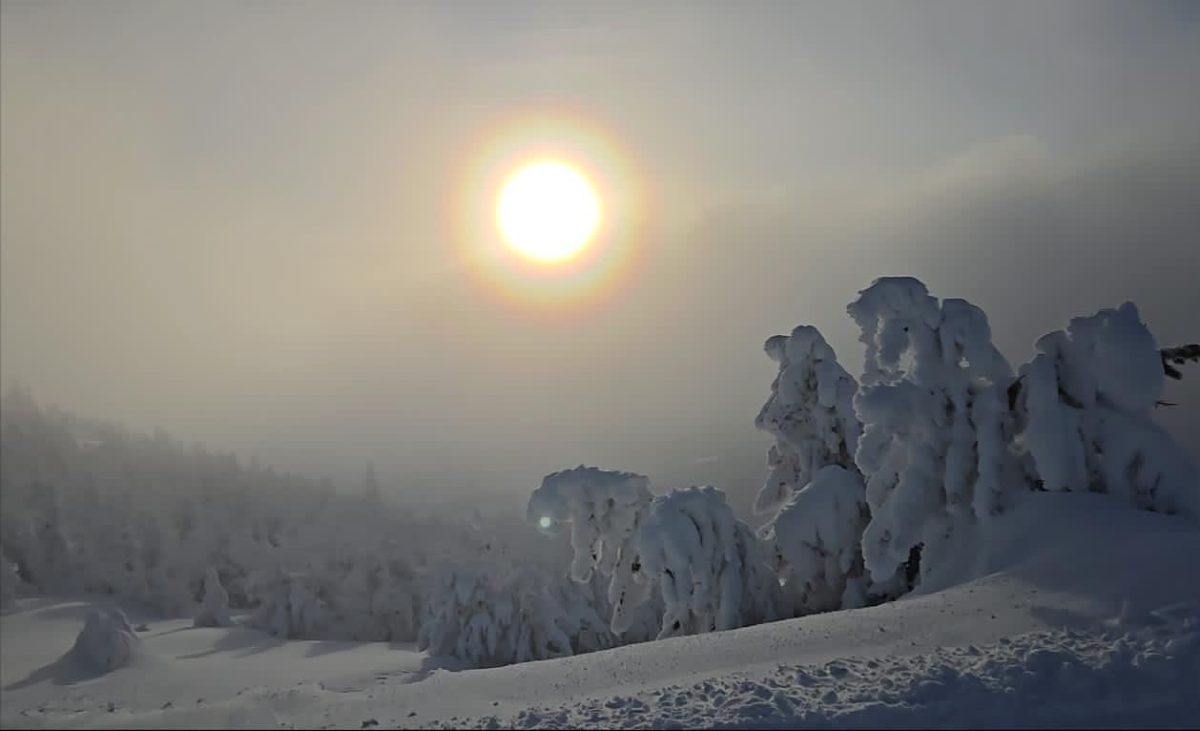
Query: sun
(547, 211)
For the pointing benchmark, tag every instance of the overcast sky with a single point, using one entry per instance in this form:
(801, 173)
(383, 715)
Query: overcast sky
(229, 219)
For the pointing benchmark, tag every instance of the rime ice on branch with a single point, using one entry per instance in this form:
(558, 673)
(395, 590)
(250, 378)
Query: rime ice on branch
(810, 413)
(604, 509)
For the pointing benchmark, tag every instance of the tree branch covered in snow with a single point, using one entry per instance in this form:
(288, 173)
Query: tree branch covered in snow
(1177, 356)
(604, 510)
(813, 485)
(935, 445)
(817, 540)
(709, 566)
(1085, 406)
(489, 615)
(810, 413)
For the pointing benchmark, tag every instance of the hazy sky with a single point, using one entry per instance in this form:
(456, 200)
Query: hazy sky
(230, 219)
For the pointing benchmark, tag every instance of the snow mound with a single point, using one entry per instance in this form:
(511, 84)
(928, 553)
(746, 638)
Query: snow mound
(106, 642)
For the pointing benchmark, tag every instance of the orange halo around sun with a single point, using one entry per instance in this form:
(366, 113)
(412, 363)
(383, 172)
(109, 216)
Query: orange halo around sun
(566, 277)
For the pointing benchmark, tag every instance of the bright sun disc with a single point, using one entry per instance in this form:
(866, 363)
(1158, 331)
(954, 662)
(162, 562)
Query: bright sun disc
(547, 211)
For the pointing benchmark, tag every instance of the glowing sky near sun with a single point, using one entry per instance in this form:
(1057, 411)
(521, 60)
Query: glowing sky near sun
(591, 180)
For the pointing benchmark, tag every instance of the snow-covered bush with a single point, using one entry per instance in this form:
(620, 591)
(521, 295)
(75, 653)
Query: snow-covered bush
(810, 413)
(1085, 402)
(580, 609)
(464, 616)
(106, 641)
(935, 448)
(817, 537)
(604, 510)
(214, 608)
(487, 615)
(709, 566)
(555, 618)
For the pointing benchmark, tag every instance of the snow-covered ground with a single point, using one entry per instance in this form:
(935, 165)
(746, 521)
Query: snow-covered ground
(1087, 614)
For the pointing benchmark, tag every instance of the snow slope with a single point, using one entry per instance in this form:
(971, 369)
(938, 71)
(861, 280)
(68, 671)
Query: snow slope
(1087, 614)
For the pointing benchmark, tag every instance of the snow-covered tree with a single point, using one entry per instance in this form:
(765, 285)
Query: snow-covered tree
(214, 608)
(815, 534)
(1085, 402)
(604, 510)
(464, 615)
(288, 607)
(810, 413)
(710, 567)
(106, 641)
(817, 540)
(89, 506)
(488, 616)
(49, 559)
(393, 605)
(554, 618)
(10, 581)
(936, 433)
